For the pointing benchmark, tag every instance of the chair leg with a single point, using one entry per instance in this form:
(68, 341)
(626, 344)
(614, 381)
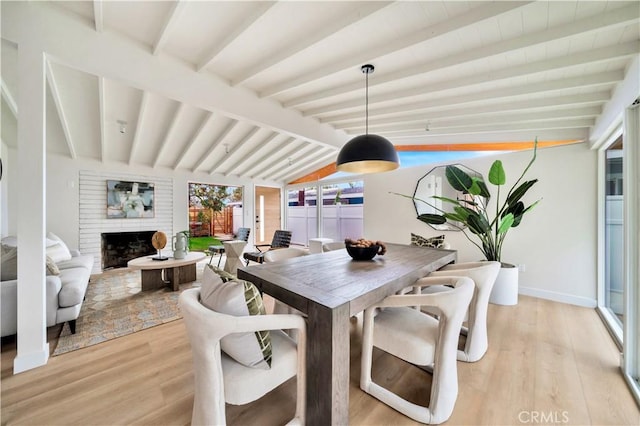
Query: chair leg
(72, 326)
(367, 350)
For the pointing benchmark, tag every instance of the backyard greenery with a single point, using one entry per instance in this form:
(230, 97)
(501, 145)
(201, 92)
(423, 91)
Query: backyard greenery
(203, 243)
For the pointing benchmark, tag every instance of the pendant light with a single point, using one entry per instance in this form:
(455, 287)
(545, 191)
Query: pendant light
(367, 153)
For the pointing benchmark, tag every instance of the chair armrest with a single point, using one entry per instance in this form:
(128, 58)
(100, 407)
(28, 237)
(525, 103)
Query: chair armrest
(222, 324)
(432, 299)
(268, 322)
(460, 267)
(53, 286)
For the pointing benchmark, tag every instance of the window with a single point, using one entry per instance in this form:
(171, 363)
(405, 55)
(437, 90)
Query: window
(338, 215)
(302, 214)
(342, 210)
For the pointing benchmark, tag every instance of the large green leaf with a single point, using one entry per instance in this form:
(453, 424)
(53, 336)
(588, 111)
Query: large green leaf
(454, 217)
(447, 200)
(517, 210)
(478, 224)
(458, 179)
(520, 191)
(433, 219)
(505, 224)
(462, 212)
(484, 191)
(474, 189)
(496, 173)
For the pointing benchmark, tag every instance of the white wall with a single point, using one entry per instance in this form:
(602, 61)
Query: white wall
(623, 95)
(556, 241)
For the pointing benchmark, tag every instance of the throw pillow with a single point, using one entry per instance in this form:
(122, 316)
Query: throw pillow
(226, 276)
(238, 298)
(52, 268)
(9, 263)
(433, 242)
(59, 252)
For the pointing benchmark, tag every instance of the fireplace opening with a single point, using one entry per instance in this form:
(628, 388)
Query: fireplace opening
(120, 247)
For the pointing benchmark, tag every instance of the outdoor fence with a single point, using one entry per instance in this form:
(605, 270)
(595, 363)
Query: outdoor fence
(338, 222)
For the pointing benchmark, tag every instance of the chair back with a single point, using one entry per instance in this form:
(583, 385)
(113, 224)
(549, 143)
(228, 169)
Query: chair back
(281, 239)
(284, 253)
(243, 234)
(219, 380)
(405, 324)
(205, 328)
(484, 276)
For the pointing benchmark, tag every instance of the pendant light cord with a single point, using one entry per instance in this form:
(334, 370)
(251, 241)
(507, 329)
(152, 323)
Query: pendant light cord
(366, 105)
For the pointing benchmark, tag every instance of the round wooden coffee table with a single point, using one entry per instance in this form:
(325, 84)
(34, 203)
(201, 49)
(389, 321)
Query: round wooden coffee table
(176, 271)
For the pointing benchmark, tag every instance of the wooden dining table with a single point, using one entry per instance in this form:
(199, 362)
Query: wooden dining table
(329, 288)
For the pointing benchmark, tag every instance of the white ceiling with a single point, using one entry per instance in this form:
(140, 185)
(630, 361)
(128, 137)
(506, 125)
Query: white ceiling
(273, 89)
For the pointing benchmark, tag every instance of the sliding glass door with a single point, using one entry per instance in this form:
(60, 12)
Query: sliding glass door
(631, 269)
(614, 234)
(329, 210)
(619, 271)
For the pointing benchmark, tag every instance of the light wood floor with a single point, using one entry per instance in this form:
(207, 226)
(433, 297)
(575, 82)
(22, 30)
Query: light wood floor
(545, 359)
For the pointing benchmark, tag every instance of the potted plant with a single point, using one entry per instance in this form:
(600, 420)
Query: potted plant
(489, 222)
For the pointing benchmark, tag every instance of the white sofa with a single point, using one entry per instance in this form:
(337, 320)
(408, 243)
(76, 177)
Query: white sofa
(65, 291)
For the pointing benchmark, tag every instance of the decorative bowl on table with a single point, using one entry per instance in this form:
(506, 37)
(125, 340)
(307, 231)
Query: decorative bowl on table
(364, 249)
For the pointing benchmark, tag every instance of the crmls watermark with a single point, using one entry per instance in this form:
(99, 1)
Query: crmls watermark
(545, 417)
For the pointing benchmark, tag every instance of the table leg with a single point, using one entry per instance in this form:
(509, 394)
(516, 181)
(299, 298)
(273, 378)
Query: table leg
(151, 279)
(328, 365)
(181, 274)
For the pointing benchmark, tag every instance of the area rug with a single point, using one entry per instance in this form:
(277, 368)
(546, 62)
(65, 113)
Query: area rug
(115, 306)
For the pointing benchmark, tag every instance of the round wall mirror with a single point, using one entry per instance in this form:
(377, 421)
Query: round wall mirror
(435, 183)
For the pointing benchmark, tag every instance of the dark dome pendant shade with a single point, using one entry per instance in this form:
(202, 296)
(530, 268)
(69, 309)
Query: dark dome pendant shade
(367, 153)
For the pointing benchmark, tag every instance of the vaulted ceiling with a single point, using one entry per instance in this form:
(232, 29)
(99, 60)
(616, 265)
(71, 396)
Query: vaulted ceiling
(271, 90)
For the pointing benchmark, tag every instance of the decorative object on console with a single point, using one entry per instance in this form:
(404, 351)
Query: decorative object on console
(367, 153)
(180, 243)
(159, 241)
(126, 200)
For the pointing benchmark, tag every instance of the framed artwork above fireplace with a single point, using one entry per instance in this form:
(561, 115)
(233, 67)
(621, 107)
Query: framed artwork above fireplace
(129, 200)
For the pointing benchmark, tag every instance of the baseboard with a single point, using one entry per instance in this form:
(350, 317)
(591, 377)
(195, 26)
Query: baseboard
(31, 360)
(558, 297)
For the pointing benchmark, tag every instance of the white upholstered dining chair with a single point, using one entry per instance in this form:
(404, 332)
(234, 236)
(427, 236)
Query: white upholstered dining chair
(219, 379)
(282, 254)
(333, 245)
(484, 275)
(419, 339)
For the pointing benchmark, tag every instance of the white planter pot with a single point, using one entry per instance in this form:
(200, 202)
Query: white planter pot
(505, 290)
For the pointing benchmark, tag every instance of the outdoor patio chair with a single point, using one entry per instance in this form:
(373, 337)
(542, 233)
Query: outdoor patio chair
(281, 239)
(241, 235)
